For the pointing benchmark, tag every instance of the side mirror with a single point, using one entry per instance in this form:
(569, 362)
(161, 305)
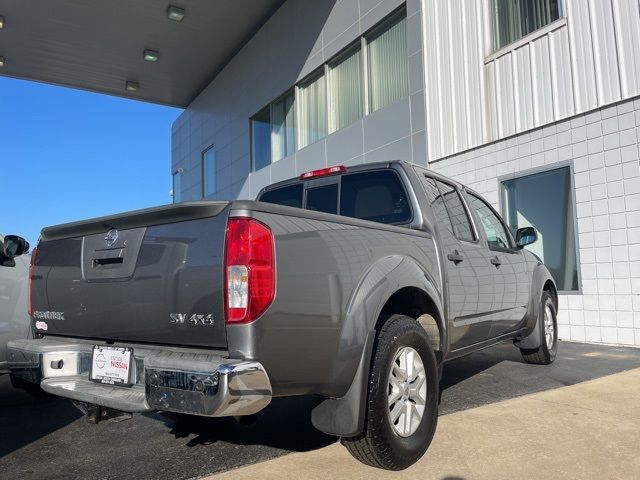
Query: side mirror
(15, 246)
(526, 236)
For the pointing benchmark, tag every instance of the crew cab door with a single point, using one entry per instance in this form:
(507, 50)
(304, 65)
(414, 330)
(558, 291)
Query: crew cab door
(511, 282)
(467, 277)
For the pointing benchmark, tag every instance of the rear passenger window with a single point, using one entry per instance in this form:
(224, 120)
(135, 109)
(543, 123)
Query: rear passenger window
(377, 196)
(446, 201)
(323, 199)
(288, 196)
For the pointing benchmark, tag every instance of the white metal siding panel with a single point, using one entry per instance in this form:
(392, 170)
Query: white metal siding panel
(505, 94)
(524, 95)
(541, 73)
(475, 64)
(491, 101)
(604, 51)
(581, 48)
(448, 103)
(457, 69)
(627, 27)
(432, 80)
(563, 105)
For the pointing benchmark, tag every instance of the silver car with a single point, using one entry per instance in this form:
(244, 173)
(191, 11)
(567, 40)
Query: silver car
(15, 322)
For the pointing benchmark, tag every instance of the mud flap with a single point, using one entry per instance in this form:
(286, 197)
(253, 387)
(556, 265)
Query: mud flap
(345, 416)
(533, 340)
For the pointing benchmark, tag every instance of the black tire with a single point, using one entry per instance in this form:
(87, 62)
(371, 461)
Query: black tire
(544, 355)
(379, 445)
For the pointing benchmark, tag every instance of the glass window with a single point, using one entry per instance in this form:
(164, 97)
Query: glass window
(497, 235)
(312, 110)
(457, 213)
(376, 196)
(513, 19)
(282, 127)
(177, 186)
(387, 63)
(261, 139)
(323, 199)
(551, 214)
(345, 90)
(290, 196)
(208, 172)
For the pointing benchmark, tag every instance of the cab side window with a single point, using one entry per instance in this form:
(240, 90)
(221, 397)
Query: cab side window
(494, 228)
(448, 209)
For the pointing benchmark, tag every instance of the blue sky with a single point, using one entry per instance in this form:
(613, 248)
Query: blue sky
(68, 155)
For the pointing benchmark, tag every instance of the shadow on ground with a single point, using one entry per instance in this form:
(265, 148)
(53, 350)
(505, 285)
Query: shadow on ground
(49, 439)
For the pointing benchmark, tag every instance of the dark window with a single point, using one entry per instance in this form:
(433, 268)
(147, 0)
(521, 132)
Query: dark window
(376, 196)
(323, 199)
(514, 19)
(290, 196)
(261, 139)
(449, 198)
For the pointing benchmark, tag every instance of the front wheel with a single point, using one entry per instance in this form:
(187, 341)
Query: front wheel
(546, 352)
(402, 402)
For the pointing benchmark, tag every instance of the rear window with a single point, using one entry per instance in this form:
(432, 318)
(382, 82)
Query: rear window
(377, 196)
(290, 196)
(323, 199)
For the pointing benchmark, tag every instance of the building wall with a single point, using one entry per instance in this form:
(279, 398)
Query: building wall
(300, 37)
(587, 59)
(603, 146)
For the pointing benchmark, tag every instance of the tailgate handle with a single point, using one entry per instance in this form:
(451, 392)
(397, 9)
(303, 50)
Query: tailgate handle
(99, 262)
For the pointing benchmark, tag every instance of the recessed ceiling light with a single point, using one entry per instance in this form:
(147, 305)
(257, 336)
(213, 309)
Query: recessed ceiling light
(1, 21)
(151, 55)
(175, 13)
(132, 86)
(1, 61)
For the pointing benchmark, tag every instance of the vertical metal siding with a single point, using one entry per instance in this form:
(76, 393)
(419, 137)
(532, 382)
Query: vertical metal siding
(626, 16)
(590, 60)
(604, 51)
(561, 77)
(581, 48)
(541, 73)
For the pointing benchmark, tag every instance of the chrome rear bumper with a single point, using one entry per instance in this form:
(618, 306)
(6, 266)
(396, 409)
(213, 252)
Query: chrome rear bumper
(169, 379)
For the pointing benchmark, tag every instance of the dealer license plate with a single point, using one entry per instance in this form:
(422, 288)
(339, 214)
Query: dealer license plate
(111, 365)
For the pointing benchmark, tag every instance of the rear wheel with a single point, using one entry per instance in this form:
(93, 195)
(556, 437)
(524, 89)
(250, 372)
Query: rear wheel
(546, 352)
(402, 402)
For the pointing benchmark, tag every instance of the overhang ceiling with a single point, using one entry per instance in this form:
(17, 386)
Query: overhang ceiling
(98, 45)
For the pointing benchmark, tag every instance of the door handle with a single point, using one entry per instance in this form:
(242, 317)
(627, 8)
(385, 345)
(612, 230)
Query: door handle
(496, 261)
(455, 257)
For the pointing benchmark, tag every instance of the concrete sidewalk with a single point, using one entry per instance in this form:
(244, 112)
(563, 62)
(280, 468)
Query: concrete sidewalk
(586, 431)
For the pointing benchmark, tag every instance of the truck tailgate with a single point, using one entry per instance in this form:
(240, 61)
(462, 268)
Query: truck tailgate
(151, 276)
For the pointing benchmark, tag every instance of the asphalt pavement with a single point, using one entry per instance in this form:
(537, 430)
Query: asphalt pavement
(49, 438)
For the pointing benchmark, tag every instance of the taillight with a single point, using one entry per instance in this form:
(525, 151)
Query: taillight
(30, 281)
(249, 270)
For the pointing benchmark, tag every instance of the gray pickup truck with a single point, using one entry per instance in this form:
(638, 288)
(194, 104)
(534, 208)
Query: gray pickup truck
(352, 284)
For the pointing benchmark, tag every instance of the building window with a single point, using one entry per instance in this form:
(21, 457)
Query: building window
(312, 109)
(176, 191)
(261, 139)
(208, 172)
(388, 72)
(362, 79)
(551, 214)
(345, 89)
(514, 19)
(282, 127)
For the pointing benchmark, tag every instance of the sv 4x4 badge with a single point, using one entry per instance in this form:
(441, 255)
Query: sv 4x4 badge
(195, 319)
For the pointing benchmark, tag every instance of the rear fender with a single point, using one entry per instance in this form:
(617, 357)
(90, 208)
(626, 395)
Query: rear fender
(345, 416)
